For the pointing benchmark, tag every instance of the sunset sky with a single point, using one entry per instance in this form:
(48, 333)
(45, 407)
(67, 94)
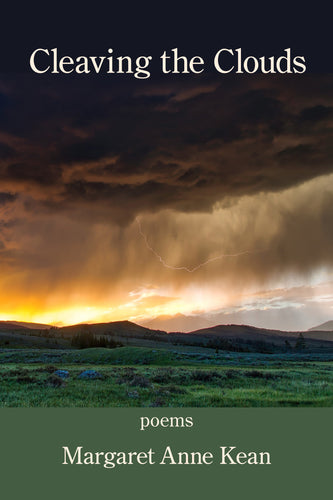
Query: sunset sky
(210, 197)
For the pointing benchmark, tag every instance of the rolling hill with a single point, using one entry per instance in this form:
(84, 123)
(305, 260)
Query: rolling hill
(255, 334)
(19, 325)
(324, 327)
(226, 337)
(120, 328)
(232, 337)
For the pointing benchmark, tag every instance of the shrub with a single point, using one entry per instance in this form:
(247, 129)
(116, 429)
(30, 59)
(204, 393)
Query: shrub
(140, 381)
(205, 375)
(158, 402)
(232, 374)
(47, 369)
(26, 379)
(258, 374)
(55, 381)
(162, 376)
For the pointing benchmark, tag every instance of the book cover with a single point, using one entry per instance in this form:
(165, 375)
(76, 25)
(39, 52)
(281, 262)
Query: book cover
(166, 251)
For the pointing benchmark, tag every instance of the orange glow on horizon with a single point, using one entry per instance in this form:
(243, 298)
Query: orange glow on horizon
(137, 305)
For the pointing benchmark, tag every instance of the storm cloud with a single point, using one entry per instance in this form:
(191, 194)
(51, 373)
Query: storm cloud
(235, 171)
(99, 144)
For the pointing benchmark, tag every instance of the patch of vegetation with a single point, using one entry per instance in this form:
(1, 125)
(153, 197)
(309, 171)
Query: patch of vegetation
(142, 377)
(86, 340)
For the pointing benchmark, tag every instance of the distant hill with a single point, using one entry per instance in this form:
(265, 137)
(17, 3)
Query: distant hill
(5, 325)
(242, 338)
(119, 328)
(233, 337)
(254, 334)
(324, 327)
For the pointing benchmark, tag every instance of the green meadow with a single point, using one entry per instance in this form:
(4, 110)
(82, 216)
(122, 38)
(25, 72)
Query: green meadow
(144, 377)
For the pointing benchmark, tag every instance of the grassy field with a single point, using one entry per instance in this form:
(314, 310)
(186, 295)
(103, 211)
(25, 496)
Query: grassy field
(133, 376)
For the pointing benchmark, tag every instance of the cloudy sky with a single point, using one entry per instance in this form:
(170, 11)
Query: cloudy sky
(127, 199)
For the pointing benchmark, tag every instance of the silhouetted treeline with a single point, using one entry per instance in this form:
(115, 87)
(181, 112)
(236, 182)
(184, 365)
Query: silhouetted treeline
(86, 339)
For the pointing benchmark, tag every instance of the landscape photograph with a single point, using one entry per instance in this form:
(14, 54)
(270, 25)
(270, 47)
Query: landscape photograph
(166, 242)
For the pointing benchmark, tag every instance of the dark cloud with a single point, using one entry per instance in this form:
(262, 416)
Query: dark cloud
(87, 158)
(40, 174)
(7, 198)
(90, 143)
(316, 113)
(6, 151)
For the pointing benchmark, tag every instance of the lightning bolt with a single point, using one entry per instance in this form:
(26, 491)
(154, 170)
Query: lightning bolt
(184, 268)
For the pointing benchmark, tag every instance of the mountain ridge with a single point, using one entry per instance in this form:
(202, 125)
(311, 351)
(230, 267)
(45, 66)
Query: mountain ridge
(226, 337)
(23, 325)
(324, 327)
